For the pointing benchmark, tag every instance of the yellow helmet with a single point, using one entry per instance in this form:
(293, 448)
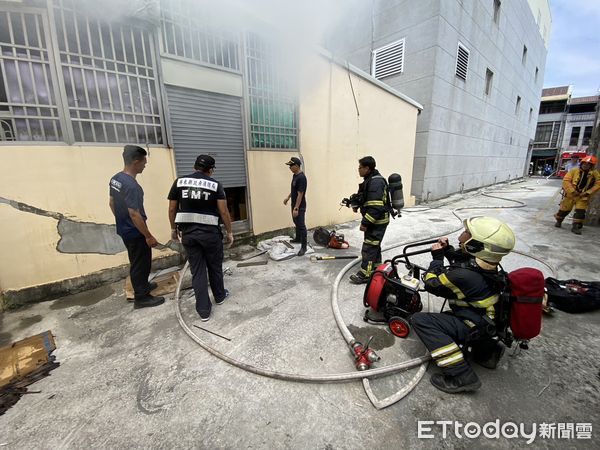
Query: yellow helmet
(490, 239)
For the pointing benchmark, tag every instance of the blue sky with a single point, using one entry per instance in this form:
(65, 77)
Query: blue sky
(574, 51)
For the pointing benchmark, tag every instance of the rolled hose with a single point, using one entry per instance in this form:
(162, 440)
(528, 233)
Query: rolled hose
(351, 376)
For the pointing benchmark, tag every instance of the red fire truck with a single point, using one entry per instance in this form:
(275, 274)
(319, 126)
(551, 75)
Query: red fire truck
(565, 158)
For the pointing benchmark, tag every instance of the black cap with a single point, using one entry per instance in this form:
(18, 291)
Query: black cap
(204, 162)
(294, 162)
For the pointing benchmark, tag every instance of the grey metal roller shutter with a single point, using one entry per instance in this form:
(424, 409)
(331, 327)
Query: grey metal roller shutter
(209, 123)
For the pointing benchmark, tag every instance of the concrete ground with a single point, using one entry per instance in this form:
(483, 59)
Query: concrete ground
(132, 378)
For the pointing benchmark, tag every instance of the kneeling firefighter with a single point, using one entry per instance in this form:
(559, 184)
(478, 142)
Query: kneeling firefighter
(373, 201)
(472, 283)
(578, 186)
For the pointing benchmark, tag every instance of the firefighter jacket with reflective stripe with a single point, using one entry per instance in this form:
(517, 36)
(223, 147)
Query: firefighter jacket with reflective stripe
(468, 287)
(375, 200)
(577, 180)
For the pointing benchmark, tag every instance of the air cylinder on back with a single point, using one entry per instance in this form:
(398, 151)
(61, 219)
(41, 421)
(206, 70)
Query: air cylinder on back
(396, 194)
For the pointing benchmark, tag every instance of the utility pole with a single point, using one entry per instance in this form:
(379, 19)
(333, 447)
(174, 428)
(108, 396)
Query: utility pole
(593, 213)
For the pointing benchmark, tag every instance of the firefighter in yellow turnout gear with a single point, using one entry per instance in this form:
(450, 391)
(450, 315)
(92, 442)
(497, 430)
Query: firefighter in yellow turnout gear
(579, 185)
(472, 284)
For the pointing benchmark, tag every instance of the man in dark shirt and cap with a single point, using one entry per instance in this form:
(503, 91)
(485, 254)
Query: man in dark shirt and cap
(298, 196)
(126, 201)
(196, 202)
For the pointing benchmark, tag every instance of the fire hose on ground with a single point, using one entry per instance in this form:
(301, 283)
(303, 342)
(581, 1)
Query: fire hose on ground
(420, 361)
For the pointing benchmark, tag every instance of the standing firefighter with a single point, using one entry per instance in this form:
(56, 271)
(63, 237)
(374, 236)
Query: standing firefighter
(579, 185)
(472, 284)
(374, 205)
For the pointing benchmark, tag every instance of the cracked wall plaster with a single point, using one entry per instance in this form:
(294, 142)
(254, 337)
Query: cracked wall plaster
(77, 237)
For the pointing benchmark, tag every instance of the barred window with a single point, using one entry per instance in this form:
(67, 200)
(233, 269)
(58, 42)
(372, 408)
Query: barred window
(273, 105)
(109, 77)
(186, 33)
(28, 107)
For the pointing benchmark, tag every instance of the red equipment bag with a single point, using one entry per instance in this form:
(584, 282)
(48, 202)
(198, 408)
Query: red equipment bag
(526, 297)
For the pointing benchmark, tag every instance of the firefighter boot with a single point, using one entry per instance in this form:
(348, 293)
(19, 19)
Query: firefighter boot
(558, 223)
(466, 382)
(576, 228)
(358, 278)
(303, 246)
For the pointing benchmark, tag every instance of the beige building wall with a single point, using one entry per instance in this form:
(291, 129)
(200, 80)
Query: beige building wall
(70, 181)
(43, 183)
(334, 133)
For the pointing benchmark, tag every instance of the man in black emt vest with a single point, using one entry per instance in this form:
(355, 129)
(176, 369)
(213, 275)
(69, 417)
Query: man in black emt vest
(196, 203)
